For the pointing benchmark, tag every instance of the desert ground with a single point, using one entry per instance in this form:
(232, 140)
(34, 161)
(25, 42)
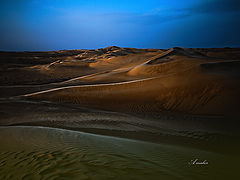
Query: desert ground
(183, 96)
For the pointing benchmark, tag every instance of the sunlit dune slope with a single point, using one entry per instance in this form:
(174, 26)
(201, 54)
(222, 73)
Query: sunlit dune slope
(175, 80)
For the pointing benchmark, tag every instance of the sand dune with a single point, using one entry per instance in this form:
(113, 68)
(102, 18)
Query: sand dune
(178, 84)
(49, 67)
(178, 88)
(226, 67)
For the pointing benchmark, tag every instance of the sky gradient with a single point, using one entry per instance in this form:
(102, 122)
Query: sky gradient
(90, 24)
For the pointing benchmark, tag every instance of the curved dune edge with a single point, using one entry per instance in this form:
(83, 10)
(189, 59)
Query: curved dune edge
(215, 142)
(168, 128)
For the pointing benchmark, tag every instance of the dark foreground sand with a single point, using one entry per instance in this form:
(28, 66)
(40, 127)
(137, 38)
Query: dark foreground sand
(48, 153)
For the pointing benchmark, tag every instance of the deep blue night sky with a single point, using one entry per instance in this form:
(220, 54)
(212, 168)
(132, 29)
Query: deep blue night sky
(90, 24)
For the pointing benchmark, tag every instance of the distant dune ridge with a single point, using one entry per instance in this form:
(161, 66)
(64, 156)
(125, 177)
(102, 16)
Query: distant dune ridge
(146, 83)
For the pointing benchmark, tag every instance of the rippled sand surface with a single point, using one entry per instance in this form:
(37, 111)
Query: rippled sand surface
(48, 153)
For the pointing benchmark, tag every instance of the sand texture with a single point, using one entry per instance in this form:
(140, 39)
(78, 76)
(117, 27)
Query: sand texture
(181, 92)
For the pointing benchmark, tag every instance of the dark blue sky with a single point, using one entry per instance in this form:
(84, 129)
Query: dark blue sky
(90, 24)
